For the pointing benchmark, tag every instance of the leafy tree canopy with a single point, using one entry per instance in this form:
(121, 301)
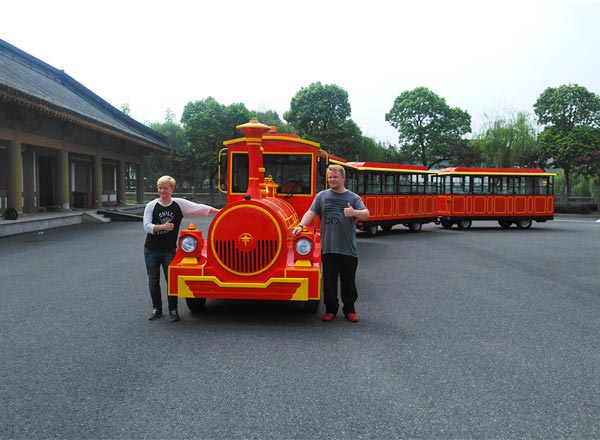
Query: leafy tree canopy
(322, 113)
(428, 128)
(509, 141)
(571, 115)
(206, 124)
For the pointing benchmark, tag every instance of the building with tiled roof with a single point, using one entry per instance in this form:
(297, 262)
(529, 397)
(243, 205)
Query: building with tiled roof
(61, 145)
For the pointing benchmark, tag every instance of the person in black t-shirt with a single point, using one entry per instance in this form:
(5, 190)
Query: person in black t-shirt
(162, 219)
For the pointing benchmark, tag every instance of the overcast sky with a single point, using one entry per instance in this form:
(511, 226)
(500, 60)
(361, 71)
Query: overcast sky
(485, 57)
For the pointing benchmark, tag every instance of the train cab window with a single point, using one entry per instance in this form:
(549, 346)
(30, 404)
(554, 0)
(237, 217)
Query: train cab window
(291, 171)
(239, 172)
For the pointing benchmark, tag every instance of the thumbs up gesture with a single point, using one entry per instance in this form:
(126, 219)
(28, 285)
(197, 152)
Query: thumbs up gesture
(348, 211)
(168, 226)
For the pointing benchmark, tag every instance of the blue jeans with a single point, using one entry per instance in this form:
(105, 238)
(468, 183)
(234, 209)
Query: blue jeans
(154, 261)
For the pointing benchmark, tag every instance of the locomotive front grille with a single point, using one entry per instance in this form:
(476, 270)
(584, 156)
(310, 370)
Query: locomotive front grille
(244, 261)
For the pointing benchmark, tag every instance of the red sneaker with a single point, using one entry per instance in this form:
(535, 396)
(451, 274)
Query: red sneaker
(328, 317)
(352, 317)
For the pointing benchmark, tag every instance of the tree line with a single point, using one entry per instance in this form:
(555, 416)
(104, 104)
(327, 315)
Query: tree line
(564, 134)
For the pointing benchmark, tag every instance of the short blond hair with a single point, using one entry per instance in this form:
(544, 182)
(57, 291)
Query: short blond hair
(166, 179)
(340, 169)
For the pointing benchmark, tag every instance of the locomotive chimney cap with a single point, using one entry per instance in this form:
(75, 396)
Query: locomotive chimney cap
(253, 124)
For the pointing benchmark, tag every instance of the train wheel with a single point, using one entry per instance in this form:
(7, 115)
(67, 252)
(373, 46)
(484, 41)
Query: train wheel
(464, 224)
(415, 227)
(447, 224)
(311, 306)
(504, 224)
(524, 224)
(371, 229)
(195, 304)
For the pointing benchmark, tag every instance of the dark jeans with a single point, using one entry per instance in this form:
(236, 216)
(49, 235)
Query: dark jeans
(344, 267)
(154, 260)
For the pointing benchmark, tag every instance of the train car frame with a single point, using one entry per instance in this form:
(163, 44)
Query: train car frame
(508, 195)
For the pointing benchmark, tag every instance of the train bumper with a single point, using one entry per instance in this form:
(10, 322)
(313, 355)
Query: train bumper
(296, 285)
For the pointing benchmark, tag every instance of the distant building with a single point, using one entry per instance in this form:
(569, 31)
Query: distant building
(62, 146)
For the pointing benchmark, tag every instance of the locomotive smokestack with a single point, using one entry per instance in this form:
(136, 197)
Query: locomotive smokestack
(253, 131)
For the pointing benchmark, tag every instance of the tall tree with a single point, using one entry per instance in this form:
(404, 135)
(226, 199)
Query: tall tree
(571, 115)
(428, 129)
(509, 141)
(322, 113)
(206, 124)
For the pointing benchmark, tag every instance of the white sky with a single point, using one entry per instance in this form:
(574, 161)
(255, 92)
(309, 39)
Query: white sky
(486, 57)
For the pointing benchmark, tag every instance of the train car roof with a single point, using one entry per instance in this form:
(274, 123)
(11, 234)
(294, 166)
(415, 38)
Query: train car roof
(378, 166)
(269, 137)
(495, 171)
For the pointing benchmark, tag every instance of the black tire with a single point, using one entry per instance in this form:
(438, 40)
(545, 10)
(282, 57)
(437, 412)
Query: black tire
(415, 227)
(371, 229)
(504, 224)
(446, 224)
(195, 305)
(524, 224)
(464, 224)
(311, 306)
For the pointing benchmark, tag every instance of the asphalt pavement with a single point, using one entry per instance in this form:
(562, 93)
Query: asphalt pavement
(483, 333)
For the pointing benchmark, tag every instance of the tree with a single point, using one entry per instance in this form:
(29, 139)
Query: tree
(125, 108)
(156, 165)
(206, 124)
(428, 128)
(271, 118)
(571, 115)
(509, 141)
(321, 113)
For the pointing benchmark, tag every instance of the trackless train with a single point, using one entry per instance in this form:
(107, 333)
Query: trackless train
(271, 179)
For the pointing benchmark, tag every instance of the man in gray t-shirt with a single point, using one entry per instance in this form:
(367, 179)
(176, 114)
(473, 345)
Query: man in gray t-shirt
(338, 209)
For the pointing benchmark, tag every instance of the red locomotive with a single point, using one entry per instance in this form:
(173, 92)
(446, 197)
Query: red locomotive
(250, 252)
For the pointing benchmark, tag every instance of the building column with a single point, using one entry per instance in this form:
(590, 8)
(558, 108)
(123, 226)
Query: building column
(121, 183)
(97, 182)
(30, 181)
(14, 193)
(62, 179)
(139, 182)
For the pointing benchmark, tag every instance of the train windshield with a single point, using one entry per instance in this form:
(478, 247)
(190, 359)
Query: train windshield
(292, 172)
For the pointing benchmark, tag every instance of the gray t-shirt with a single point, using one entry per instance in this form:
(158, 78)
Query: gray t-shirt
(338, 233)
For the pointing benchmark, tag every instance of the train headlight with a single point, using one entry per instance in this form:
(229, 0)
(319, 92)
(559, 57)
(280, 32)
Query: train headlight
(304, 246)
(189, 244)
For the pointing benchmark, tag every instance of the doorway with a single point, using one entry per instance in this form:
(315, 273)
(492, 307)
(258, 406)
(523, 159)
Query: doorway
(46, 181)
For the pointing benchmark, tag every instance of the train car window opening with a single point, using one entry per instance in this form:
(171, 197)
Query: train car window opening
(352, 181)
(404, 184)
(389, 186)
(223, 170)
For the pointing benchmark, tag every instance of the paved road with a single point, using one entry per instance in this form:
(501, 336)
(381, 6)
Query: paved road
(485, 333)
